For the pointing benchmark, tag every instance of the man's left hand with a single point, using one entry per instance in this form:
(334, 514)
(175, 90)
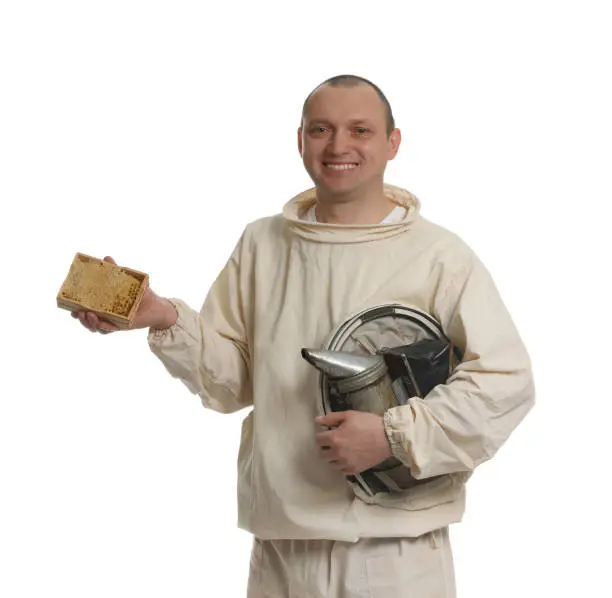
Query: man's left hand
(357, 442)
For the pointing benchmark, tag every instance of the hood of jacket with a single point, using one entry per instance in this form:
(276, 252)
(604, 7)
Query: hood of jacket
(295, 209)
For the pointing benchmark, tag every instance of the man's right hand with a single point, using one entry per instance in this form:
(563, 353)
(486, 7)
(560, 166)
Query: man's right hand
(153, 312)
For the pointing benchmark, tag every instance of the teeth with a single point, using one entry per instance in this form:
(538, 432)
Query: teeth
(341, 166)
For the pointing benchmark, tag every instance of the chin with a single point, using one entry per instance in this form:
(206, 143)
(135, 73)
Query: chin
(336, 191)
(342, 188)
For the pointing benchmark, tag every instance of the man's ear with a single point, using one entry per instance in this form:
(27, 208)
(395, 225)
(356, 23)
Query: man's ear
(300, 140)
(395, 139)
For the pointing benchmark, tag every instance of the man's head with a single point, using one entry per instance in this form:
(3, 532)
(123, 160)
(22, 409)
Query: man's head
(347, 136)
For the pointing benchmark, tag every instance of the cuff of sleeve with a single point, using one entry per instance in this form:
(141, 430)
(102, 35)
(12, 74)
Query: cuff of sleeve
(396, 436)
(157, 336)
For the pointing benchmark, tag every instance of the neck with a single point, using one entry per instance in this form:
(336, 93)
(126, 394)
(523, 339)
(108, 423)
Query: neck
(370, 208)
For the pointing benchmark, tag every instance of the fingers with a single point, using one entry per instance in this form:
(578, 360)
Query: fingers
(90, 321)
(325, 452)
(332, 459)
(332, 419)
(80, 316)
(330, 451)
(335, 461)
(108, 258)
(86, 321)
(325, 438)
(106, 327)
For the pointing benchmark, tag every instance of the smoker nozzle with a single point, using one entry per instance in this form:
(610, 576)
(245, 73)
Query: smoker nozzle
(340, 364)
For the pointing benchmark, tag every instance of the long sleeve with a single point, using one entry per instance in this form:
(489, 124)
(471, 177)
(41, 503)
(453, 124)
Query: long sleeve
(208, 351)
(463, 423)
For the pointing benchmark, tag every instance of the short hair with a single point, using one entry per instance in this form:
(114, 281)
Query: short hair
(353, 81)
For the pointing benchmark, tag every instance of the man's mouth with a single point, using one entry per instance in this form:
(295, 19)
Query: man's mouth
(340, 165)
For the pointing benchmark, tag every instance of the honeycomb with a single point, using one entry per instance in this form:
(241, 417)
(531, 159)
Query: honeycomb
(101, 286)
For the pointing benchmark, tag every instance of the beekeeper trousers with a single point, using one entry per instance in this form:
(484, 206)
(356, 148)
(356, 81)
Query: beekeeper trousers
(370, 568)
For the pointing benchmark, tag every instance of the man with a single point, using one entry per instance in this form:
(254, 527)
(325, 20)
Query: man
(350, 243)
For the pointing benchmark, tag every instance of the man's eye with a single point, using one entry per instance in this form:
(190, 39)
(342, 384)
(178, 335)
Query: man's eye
(319, 130)
(361, 130)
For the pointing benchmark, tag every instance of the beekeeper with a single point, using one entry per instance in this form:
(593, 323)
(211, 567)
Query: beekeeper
(350, 243)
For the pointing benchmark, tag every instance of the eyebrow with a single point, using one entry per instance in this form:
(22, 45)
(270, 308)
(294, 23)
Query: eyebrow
(355, 121)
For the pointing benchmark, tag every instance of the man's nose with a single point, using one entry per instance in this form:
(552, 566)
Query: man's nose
(339, 142)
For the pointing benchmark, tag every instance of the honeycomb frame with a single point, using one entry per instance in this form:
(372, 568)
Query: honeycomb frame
(79, 291)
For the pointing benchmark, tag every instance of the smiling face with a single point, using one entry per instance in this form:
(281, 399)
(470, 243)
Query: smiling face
(343, 142)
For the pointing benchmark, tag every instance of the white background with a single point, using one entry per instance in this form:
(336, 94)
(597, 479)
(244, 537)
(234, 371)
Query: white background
(154, 132)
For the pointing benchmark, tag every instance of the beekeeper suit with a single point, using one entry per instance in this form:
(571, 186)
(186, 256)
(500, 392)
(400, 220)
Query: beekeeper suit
(288, 283)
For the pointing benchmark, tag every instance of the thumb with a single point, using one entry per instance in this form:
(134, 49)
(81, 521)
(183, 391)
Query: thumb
(108, 258)
(332, 419)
